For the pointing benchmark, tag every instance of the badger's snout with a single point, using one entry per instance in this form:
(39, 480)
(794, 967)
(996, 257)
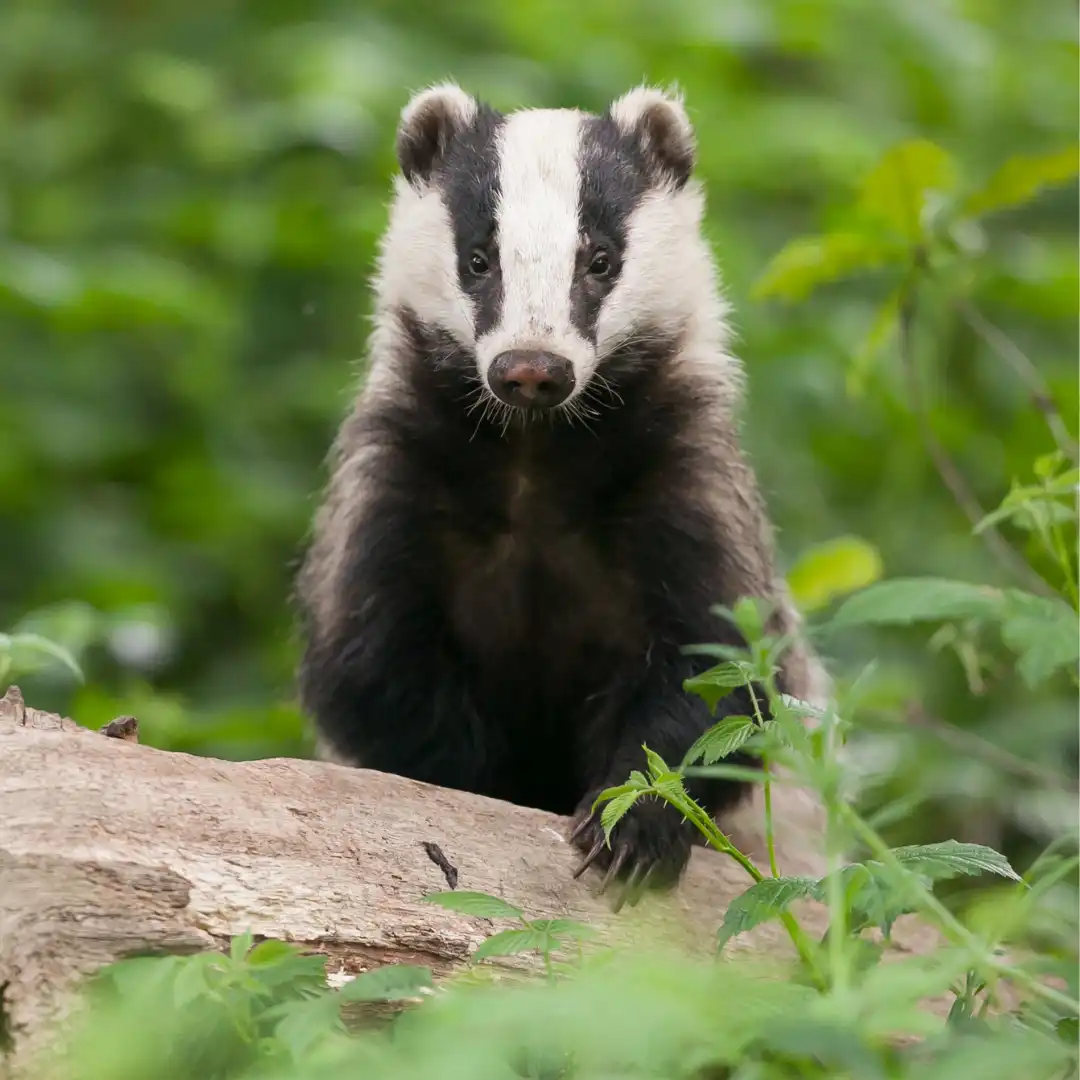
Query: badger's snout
(531, 379)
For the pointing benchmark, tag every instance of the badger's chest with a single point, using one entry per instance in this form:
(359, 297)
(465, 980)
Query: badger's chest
(542, 587)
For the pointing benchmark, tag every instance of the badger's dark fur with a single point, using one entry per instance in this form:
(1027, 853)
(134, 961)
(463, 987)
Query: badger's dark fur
(497, 600)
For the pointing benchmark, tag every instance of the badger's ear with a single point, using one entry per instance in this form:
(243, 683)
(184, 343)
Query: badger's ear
(429, 122)
(657, 121)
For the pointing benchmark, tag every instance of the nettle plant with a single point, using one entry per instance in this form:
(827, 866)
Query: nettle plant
(265, 1011)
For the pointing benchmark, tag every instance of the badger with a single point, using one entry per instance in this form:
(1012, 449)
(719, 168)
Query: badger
(539, 496)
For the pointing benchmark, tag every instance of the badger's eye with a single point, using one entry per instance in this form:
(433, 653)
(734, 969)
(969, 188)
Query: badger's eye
(600, 266)
(478, 263)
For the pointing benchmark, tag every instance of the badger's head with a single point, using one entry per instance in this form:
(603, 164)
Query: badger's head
(548, 244)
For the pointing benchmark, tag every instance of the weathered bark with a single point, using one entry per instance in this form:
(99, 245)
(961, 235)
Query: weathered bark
(109, 848)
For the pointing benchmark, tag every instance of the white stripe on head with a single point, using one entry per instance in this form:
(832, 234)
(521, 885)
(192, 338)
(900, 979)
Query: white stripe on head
(417, 263)
(538, 233)
(669, 278)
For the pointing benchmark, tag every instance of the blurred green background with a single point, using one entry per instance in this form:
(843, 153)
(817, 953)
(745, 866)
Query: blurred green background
(190, 195)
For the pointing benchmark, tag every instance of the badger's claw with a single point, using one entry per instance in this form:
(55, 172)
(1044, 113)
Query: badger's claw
(650, 847)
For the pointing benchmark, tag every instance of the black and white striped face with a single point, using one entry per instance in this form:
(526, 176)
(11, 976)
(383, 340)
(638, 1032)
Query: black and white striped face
(544, 240)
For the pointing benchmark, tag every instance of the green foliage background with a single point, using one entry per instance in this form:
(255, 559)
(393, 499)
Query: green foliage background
(189, 201)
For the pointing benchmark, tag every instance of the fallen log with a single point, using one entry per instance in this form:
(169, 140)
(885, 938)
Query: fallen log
(109, 848)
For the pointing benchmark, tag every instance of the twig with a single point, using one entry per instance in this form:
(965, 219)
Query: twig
(1014, 356)
(947, 470)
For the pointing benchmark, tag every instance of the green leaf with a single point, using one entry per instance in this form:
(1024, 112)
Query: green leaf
(1000, 1055)
(509, 942)
(1042, 631)
(240, 946)
(615, 809)
(721, 740)
(808, 262)
(895, 192)
(902, 601)
(658, 767)
(872, 897)
(272, 951)
(394, 982)
(951, 858)
(764, 900)
(475, 903)
(833, 569)
(1021, 178)
(560, 928)
(714, 685)
(31, 652)
(884, 324)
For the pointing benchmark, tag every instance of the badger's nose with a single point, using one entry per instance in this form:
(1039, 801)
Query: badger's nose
(531, 379)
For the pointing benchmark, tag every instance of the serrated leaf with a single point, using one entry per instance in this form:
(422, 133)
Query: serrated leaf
(394, 982)
(951, 858)
(833, 569)
(808, 262)
(509, 942)
(615, 809)
(764, 900)
(873, 898)
(1042, 631)
(895, 191)
(475, 903)
(558, 928)
(902, 601)
(657, 765)
(721, 740)
(714, 685)
(1021, 178)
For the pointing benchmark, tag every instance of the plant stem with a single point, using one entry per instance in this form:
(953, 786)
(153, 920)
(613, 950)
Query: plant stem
(770, 835)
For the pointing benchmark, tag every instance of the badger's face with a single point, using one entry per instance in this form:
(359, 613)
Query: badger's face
(544, 241)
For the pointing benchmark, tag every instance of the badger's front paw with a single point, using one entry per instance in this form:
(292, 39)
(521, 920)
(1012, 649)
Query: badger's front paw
(650, 847)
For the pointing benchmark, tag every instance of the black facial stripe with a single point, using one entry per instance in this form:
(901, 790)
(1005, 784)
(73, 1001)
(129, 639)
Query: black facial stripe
(469, 184)
(614, 177)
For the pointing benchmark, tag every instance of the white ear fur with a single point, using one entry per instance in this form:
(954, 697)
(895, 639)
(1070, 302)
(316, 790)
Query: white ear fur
(659, 122)
(428, 123)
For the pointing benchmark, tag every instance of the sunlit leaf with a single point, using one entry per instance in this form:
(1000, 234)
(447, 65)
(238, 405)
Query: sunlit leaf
(895, 192)
(833, 569)
(808, 262)
(1021, 178)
